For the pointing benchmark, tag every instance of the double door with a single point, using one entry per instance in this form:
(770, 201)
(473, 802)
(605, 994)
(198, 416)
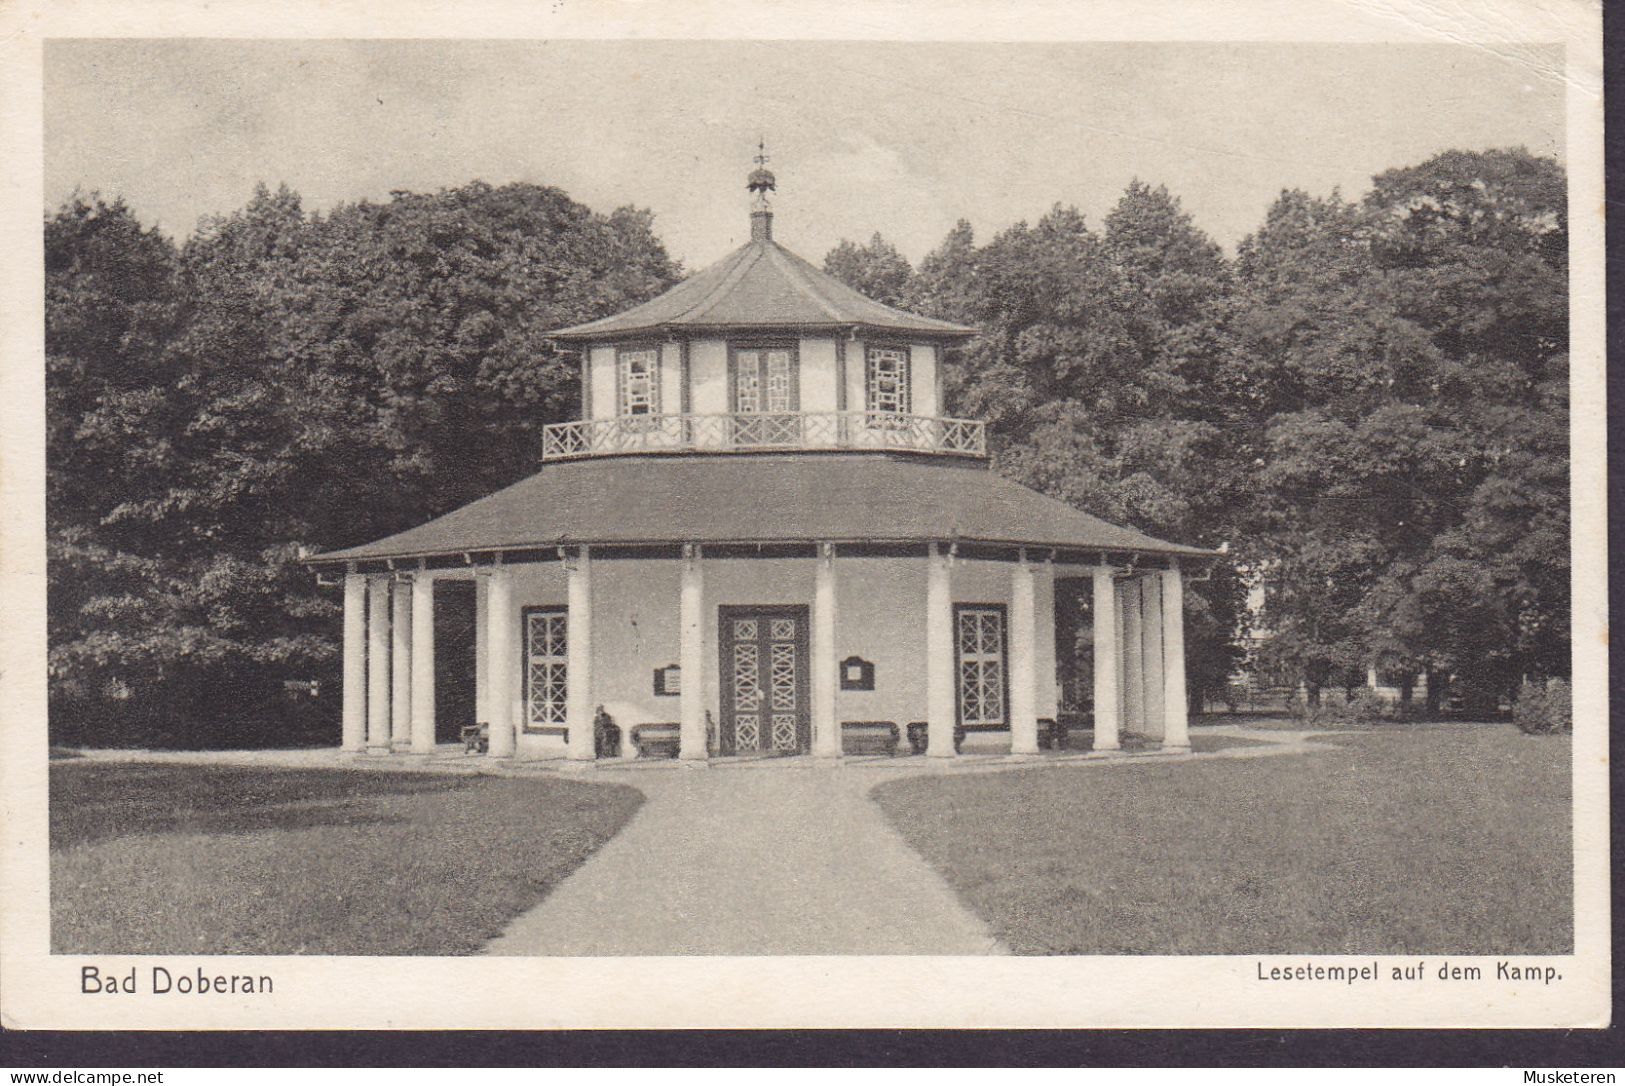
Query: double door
(765, 680)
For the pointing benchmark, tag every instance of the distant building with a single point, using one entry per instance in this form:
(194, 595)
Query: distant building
(762, 527)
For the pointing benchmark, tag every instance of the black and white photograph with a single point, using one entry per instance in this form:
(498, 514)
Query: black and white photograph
(809, 518)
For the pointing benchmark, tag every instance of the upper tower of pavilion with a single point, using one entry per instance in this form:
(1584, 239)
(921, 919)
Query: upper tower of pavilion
(762, 351)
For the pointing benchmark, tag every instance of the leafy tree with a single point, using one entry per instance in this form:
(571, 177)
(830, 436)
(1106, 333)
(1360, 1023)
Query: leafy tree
(1403, 363)
(334, 379)
(876, 270)
(1092, 372)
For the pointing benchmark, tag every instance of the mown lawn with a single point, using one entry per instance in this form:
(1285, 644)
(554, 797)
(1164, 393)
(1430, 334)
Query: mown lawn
(1410, 839)
(151, 858)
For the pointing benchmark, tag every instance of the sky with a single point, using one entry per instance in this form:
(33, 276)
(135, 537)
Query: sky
(900, 138)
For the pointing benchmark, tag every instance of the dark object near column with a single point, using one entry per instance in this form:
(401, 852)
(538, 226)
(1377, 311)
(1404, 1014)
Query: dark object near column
(476, 738)
(606, 735)
(664, 739)
(919, 736)
(1053, 732)
(864, 736)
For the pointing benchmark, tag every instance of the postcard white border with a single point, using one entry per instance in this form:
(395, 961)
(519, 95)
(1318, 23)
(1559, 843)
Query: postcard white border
(38, 990)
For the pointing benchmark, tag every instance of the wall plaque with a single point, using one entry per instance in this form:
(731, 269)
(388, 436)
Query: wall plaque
(857, 674)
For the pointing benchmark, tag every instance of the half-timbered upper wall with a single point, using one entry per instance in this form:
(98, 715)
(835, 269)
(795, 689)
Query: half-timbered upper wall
(817, 370)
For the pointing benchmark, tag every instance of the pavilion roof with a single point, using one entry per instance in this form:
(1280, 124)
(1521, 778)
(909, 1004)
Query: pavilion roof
(760, 285)
(759, 499)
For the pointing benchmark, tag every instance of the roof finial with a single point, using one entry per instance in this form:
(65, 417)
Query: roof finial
(761, 182)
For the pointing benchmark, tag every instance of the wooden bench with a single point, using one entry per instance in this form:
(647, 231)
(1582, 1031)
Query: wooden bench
(869, 736)
(919, 736)
(664, 738)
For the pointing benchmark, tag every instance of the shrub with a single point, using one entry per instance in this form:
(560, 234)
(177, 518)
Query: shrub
(1363, 706)
(1545, 709)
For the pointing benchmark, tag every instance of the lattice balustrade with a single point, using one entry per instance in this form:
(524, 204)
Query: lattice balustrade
(777, 430)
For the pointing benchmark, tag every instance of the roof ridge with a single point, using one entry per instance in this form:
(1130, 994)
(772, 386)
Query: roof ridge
(796, 278)
(727, 283)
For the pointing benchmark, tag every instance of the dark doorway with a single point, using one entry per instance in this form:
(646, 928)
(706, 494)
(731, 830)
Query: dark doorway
(1075, 643)
(453, 659)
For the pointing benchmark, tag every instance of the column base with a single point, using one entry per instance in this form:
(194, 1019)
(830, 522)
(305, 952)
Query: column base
(1104, 747)
(379, 752)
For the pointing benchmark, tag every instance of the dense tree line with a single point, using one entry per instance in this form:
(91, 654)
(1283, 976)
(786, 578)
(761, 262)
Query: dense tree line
(1366, 406)
(284, 383)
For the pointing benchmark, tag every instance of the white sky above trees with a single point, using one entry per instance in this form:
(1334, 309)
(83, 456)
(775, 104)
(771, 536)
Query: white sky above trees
(903, 138)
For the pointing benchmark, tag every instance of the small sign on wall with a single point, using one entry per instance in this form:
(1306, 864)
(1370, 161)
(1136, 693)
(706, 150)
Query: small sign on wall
(857, 674)
(668, 681)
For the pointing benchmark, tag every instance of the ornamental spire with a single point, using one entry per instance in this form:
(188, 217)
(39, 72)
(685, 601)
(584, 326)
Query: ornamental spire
(760, 183)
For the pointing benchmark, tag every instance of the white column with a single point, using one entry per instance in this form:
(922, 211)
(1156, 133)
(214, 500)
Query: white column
(423, 663)
(691, 737)
(400, 665)
(825, 672)
(1151, 652)
(1133, 671)
(1106, 659)
(939, 653)
(499, 661)
(1023, 665)
(578, 710)
(378, 664)
(355, 663)
(1176, 731)
(482, 677)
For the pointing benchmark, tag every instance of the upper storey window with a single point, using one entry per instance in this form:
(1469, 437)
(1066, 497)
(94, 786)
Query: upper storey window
(887, 383)
(639, 381)
(764, 381)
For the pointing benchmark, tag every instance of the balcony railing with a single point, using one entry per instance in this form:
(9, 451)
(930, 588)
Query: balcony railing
(757, 433)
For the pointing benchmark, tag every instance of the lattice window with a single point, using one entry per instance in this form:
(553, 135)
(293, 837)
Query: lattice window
(748, 387)
(547, 685)
(778, 381)
(639, 382)
(887, 381)
(981, 665)
(784, 731)
(747, 690)
(764, 381)
(782, 676)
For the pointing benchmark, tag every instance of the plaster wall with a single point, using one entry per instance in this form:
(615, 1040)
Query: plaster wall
(880, 617)
(856, 368)
(818, 375)
(708, 376)
(922, 366)
(603, 382)
(671, 379)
